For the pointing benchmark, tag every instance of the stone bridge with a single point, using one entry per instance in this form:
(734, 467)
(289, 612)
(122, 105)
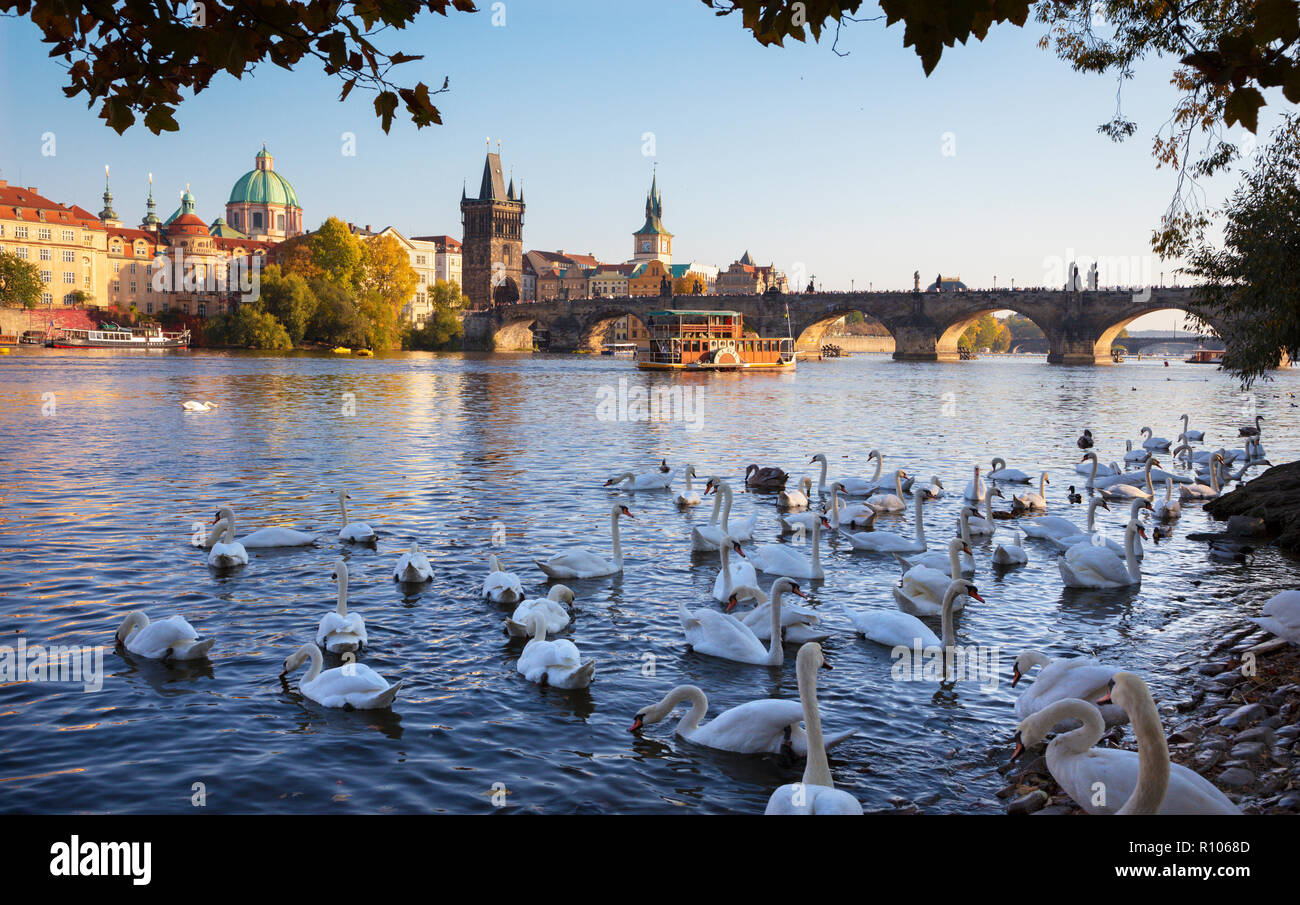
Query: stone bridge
(1079, 326)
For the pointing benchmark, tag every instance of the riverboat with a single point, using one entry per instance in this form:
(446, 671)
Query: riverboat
(1205, 357)
(111, 336)
(702, 340)
(619, 350)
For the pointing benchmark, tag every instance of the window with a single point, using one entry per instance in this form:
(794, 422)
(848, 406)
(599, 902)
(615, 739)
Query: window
(85, 281)
(47, 276)
(69, 236)
(87, 239)
(419, 260)
(133, 266)
(47, 298)
(257, 219)
(203, 309)
(69, 256)
(279, 222)
(44, 254)
(117, 267)
(20, 232)
(117, 285)
(67, 298)
(44, 233)
(69, 277)
(2, 230)
(22, 252)
(116, 246)
(149, 308)
(234, 220)
(133, 288)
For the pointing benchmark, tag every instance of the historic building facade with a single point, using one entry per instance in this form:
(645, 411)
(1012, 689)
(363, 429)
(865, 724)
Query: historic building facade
(67, 243)
(744, 277)
(493, 238)
(653, 242)
(263, 205)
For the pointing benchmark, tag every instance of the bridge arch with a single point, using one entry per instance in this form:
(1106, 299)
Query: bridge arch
(597, 326)
(812, 334)
(946, 347)
(514, 334)
(1102, 347)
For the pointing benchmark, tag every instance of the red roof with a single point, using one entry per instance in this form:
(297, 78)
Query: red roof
(27, 203)
(445, 243)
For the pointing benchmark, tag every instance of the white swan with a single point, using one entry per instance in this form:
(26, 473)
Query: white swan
(890, 502)
(1168, 509)
(353, 532)
(650, 480)
(795, 500)
(1094, 470)
(1193, 492)
(736, 578)
(932, 491)
(262, 538)
(1011, 554)
(688, 497)
(1097, 540)
(783, 559)
(501, 586)
(1000, 472)
(1281, 616)
(769, 726)
(1086, 566)
(974, 491)
(340, 631)
(551, 607)
(1056, 528)
(172, 638)
(816, 792)
(741, 529)
(858, 515)
(1141, 782)
(585, 563)
(981, 525)
(888, 542)
(708, 537)
(1033, 502)
(799, 624)
(555, 663)
(716, 634)
(1190, 435)
(923, 592)
(852, 486)
(352, 686)
(892, 628)
(1153, 443)
(1061, 678)
(413, 566)
(1121, 492)
(228, 553)
(194, 406)
(1136, 456)
(958, 554)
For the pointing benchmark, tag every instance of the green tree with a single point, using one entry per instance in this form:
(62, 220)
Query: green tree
(248, 327)
(1251, 290)
(338, 255)
(20, 281)
(986, 333)
(443, 329)
(337, 321)
(1022, 328)
(289, 299)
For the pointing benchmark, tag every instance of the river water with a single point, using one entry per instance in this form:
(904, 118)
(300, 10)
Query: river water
(104, 479)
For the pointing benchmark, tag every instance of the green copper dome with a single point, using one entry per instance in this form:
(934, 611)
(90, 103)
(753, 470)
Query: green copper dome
(263, 187)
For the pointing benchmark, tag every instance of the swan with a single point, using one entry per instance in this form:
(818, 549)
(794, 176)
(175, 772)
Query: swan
(1168, 509)
(1190, 435)
(1098, 541)
(892, 628)
(1141, 782)
(352, 686)
(501, 586)
(890, 502)
(413, 567)
(555, 663)
(981, 525)
(341, 631)
(1136, 456)
(933, 490)
(798, 624)
(1281, 616)
(353, 532)
(262, 538)
(552, 608)
(974, 491)
(851, 486)
(1056, 528)
(923, 592)
(888, 542)
(1011, 554)
(1095, 470)
(1153, 443)
(795, 500)
(719, 635)
(1030, 502)
(1000, 472)
(1060, 678)
(803, 522)
(783, 559)
(1192, 492)
(709, 537)
(688, 497)
(1086, 566)
(1249, 431)
(768, 479)
(228, 553)
(816, 792)
(172, 638)
(736, 579)
(650, 480)
(849, 513)
(584, 563)
(194, 406)
(958, 556)
(743, 529)
(1122, 492)
(1085, 441)
(768, 726)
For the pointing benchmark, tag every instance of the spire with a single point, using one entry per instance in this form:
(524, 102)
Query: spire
(107, 213)
(150, 215)
(493, 186)
(510, 192)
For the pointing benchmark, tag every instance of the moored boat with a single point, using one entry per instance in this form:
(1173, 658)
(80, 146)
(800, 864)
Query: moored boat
(703, 340)
(1204, 357)
(111, 336)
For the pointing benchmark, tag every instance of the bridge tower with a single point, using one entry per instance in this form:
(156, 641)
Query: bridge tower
(493, 223)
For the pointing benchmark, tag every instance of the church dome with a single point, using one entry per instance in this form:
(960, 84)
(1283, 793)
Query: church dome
(263, 185)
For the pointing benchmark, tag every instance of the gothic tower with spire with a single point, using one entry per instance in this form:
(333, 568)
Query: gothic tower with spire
(493, 254)
(652, 241)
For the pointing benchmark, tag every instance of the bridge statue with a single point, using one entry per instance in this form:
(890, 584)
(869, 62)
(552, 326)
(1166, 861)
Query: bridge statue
(916, 281)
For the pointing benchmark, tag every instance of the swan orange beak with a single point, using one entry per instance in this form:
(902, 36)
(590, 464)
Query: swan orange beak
(636, 724)
(798, 593)
(1019, 750)
(1105, 699)
(974, 595)
(826, 664)
(731, 603)
(1016, 675)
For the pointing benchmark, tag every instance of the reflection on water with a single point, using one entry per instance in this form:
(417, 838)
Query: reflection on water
(98, 502)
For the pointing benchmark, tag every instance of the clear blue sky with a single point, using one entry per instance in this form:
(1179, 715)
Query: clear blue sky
(796, 154)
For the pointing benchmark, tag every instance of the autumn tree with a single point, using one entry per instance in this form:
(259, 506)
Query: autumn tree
(386, 272)
(20, 281)
(289, 299)
(338, 255)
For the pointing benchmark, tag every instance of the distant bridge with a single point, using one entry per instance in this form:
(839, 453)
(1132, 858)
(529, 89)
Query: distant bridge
(1079, 326)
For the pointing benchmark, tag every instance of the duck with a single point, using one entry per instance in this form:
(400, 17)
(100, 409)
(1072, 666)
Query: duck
(341, 632)
(887, 541)
(195, 406)
(584, 563)
(413, 566)
(1228, 551)
(552, 607)
(784, 559)
(262, 538)
(1033, 502)
(1074, 496)
(795, 500)
(1060, 678)
(720, 635)
(172, 638)
(798, 624)
(1010, 554)
(815, 793)
(768, 479)
(501, 586)
(650, 480)
(1086, 566)
(229, 553)
(736, 579)
(1141, 782)
(1085, 441)
(890, 502)
(957, 554)
(663, 467)
(554, 663)
(768, 726)
(353, 532)
(352, 686)
(1281, 616)
(1000, 472)
(688, 497)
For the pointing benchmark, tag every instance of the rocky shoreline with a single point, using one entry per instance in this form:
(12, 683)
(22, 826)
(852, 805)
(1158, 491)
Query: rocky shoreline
(1273, 497)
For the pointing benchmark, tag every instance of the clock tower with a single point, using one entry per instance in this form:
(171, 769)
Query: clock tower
(652, 242)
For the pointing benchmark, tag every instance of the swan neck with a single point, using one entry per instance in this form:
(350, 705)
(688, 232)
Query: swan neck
(949, 633)
(775, 650)
(317, 661)
(821, 481)
(717, 506)
(920, 522)
(1130, 557)
(691, 720)
(1153, 761)
(1079, 740)
(342, 578)
(618, 545)
(726, 506)
(818, 770)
